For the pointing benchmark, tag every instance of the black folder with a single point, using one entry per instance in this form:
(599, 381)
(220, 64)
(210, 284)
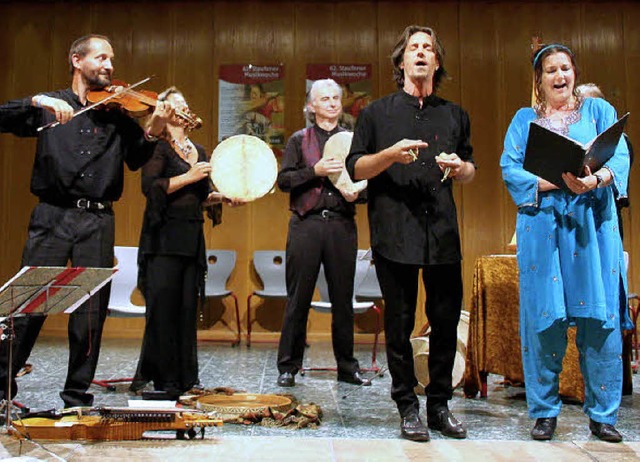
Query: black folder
(550, 154)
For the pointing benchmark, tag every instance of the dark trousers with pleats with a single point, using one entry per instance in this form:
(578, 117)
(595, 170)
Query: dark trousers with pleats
(57, 236)
(311, 241)
(399, 284)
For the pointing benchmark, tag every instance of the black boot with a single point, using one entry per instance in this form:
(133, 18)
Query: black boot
(544, 428)
(605, 432)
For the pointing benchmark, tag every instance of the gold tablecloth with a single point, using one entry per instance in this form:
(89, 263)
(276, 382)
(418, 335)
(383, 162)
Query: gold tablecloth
(494, 335)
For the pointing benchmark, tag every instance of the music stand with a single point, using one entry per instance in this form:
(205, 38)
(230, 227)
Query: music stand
(41, 290)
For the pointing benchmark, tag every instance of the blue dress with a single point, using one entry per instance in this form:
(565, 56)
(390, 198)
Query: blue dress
(572, 268)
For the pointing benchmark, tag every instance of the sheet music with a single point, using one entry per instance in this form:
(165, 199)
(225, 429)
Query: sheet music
(50, 290)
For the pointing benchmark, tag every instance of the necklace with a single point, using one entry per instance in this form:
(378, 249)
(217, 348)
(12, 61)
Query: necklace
(559, 121)
(185, 149)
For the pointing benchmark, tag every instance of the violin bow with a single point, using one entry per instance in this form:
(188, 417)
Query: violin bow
(98, 103)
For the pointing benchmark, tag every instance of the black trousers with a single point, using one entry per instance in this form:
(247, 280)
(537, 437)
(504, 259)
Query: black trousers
(399, 284)
(56, 236)
(169, 355)
(311, 241)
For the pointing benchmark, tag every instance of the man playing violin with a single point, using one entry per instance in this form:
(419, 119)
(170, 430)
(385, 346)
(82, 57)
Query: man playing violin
(78, 173)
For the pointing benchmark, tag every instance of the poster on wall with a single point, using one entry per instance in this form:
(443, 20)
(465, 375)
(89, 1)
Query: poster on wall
(251, 102)
(355, 80)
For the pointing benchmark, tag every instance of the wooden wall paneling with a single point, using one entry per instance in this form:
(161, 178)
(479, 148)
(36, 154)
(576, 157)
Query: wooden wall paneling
(631, 41)
(602, 57)
(514, 79)
(481, 76)
(556, 22)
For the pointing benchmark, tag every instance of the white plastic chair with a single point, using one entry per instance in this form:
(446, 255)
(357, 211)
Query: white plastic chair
(271, 267)
(124, 283)
(369, 288)
(220, 265)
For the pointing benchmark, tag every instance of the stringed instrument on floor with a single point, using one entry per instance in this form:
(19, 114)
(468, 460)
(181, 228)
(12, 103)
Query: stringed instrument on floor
(111, 424)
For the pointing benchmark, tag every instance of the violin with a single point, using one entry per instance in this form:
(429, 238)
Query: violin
(136, 103)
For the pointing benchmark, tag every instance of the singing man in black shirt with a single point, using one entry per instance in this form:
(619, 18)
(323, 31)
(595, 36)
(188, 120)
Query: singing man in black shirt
(412, 219)
(77, 174)
(321, 230)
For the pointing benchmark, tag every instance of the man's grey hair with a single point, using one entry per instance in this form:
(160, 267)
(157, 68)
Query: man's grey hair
(312, 94)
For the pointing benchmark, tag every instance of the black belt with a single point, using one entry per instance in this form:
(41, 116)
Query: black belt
(83, 203)
(328, 214)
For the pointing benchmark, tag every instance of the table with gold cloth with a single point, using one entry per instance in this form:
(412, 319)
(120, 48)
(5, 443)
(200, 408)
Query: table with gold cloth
(494, 338)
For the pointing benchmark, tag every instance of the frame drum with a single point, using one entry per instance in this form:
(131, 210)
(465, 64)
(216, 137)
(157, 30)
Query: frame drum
(337, 147)
(421, 355)
(243, 167)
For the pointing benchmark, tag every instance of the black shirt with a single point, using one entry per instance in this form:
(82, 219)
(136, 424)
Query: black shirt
(412, 214)
(82, 158)
(296, 176)
(172, 222)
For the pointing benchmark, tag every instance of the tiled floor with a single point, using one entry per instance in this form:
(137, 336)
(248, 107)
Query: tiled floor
(358, 424)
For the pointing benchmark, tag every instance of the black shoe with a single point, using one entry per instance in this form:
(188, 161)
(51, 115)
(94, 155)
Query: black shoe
(137, 385)
(356, 379)
(606, 432)
(286, 379)
(413, 429)
(198, 387)
(444, 421)
(544, 428)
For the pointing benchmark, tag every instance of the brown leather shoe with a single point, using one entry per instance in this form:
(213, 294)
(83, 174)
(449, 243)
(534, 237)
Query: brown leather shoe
(413, 429)
(605, 432)
(444, 421)
(544, 428)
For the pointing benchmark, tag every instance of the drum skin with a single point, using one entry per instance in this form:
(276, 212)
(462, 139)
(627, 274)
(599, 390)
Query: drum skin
(337, 147)
(243, 167)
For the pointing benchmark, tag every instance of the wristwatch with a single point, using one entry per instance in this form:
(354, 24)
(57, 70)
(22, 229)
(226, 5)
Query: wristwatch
(600, 180)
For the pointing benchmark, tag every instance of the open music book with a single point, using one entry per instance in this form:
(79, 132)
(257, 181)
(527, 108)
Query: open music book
(550, 154)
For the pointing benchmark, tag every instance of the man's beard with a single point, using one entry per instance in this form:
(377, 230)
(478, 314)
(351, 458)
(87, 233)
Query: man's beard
(98, 81)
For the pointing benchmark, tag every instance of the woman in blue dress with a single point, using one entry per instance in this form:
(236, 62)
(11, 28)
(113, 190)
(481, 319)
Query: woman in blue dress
(570, 255)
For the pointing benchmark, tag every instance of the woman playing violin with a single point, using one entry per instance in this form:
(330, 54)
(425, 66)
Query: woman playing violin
(78, 172)
(171, 256)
